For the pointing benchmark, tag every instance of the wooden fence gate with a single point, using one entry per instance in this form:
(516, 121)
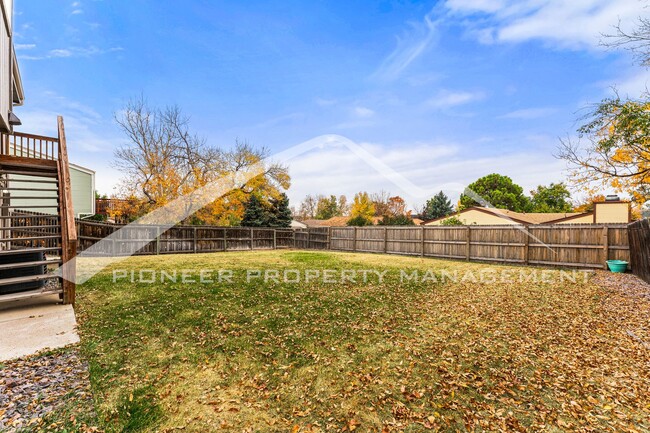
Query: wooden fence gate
(639, 239)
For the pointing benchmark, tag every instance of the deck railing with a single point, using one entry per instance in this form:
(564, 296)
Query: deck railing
(66, 213)
(104, 205)
(25, 145)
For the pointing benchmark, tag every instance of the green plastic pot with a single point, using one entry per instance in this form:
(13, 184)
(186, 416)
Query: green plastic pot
(618, 266)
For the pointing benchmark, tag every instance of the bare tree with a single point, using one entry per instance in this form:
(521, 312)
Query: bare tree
(380, 200)
(636, 40)
(308, 207)
(161, 156)
(344, 207)
(163, 160)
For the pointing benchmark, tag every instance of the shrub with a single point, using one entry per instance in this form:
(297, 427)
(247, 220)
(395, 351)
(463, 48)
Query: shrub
(359, 221)
(452, 221)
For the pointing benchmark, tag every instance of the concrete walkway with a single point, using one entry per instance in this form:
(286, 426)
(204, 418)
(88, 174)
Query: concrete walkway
(31, 325)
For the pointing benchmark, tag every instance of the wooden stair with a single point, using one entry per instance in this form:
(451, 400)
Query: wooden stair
(37, 233)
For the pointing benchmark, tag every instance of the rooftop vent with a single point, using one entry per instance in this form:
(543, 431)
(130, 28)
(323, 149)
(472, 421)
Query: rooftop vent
(612, 197)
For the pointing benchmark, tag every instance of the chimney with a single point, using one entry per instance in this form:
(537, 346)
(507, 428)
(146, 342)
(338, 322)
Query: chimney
(612, 197)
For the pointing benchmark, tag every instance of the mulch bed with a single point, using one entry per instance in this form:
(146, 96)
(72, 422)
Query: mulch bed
(34, 388)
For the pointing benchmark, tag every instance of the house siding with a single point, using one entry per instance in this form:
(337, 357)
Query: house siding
(613, 212)
(82, 188)
(6, 90)
(475, 217)
(83, 192)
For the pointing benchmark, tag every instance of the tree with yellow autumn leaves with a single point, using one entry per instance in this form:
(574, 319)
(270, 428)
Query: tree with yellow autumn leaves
(618, 150)
(614, 146)
(162, 160)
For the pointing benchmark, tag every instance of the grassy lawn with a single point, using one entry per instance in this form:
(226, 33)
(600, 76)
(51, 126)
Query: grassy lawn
(366, 356)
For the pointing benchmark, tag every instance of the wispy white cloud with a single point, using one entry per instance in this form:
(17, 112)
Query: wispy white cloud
(449, 99)
(71, 52)
(632, 85)
(324, 102)
(410, 45)
(287, 118)
(76, 8)
(529, 113)
(429, 165)
(561, 23)
(363, 112)
(21, 47)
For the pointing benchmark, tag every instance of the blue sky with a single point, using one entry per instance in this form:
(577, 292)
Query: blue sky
(442, 91)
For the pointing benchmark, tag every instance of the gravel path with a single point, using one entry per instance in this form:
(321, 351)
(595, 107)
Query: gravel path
(35, 386)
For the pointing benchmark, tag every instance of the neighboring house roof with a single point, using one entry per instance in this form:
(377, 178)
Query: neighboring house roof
(576, 216)
(518, 217)
(297, 225)
(417, 221)
(84, 169)
(337, 221)
(332, 222)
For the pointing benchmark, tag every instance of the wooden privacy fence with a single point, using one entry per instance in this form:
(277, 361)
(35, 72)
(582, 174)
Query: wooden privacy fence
(180, 239)
(639, 234)
(569, 245)
(315, 238)
(579, 245)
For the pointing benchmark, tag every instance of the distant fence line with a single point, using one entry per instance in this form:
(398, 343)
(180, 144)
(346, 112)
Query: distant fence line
(568, 245)
(580, 245)
(180, 239)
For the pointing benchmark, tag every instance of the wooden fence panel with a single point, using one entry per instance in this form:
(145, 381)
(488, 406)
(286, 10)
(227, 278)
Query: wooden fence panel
(445, 242)
(342, 238)
(284, 238)
(312, 238)
(498, 243)
(210, 239)
(618, 244)
(404, 240)
(567, 245)
(368, 239)
(639, 239)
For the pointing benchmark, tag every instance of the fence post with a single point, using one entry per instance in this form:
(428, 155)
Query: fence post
(225, 239)
(275, 240)
(354, 239)
(157, 240)
(385, 240)
(308, 238)
(605, 246)
(329, 238)
(251, 235)
(195, 241)
(422, 241)
(468, 240)
(527, 245)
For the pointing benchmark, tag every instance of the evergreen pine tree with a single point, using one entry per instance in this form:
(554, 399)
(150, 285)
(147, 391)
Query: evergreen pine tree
(438, 206)
(255, 214)
(280, 214)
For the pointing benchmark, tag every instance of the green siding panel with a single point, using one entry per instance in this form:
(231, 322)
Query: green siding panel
(83, 195)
